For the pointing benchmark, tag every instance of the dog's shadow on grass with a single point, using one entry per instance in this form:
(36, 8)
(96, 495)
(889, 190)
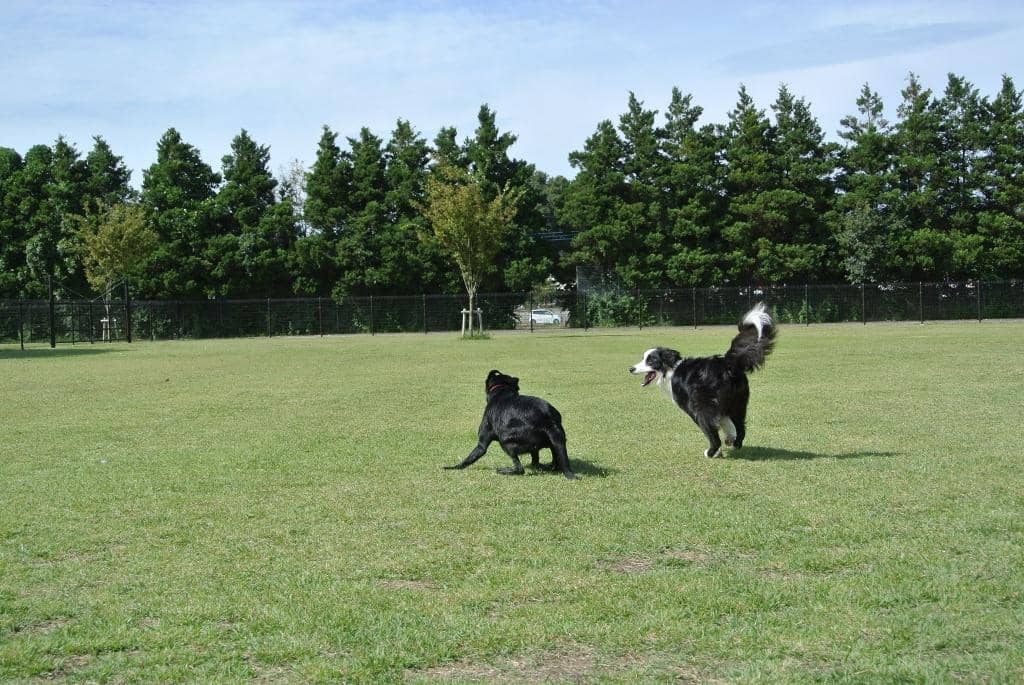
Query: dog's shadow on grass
(776, 454)
(581, 467)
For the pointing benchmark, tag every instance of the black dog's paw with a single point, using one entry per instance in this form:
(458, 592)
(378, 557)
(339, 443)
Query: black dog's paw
(569, 475)
(449, 468)
(510, 471)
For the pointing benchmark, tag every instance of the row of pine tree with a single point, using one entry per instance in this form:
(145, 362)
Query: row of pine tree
(657, 201)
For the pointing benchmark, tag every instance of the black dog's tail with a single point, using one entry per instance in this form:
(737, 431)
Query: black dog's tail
(754, 341)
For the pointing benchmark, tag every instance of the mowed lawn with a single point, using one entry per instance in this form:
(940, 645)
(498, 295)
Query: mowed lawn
(275, 510)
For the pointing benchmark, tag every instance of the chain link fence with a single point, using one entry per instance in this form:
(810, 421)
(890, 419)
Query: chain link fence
(118, 318)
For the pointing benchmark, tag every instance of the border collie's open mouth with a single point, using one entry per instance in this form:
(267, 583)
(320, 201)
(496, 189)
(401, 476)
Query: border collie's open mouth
(649, 378)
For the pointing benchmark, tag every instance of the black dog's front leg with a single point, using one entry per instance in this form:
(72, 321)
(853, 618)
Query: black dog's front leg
(477, 452)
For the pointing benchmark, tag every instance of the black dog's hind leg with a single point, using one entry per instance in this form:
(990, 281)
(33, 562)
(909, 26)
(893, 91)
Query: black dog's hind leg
(477, 452)
(560, 458)
(535, 459)
(515, 470)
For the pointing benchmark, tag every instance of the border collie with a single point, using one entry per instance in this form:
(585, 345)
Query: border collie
(714, 390)
(521, 424)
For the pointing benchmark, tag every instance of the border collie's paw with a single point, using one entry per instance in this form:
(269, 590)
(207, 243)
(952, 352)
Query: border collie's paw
(710, 455)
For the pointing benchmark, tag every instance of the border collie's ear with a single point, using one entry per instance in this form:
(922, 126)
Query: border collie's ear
(670, 358)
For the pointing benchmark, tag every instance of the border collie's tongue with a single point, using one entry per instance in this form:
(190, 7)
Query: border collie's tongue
(651, 375)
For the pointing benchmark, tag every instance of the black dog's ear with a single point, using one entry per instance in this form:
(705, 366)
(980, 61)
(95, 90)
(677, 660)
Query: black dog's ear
(493, 373)
(515, 382)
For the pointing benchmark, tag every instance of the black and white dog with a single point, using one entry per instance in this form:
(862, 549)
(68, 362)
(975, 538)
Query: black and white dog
(521, 424)
(714, 390)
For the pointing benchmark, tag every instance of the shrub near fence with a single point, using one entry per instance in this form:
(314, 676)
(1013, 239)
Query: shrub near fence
(83, 320)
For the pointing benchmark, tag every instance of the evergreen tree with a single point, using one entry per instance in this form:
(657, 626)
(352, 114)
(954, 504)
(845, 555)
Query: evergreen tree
(926, 244)
(752, 224)
(357, 257)
(867, 228)
(410, 260)
(1001, 172)
(13, 270)
(594, 199)
(957, 181)
(250, 255)
(178, 194)
(108, 178)
(804, 199)
(694, 175)
(523, 260)
(325, 213)
(643, 213)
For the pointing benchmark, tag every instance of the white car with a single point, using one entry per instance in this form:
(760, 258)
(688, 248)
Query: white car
(544, 316)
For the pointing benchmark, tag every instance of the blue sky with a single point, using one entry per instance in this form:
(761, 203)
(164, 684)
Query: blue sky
(128, 70)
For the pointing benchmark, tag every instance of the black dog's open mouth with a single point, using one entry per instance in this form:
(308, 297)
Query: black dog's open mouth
(649, 378)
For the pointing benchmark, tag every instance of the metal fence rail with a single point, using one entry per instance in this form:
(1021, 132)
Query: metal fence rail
(75, 321)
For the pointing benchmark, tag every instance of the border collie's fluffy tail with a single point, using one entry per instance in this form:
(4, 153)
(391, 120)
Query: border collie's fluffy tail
(754, 341)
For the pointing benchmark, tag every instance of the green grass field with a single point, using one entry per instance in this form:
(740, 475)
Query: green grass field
(275, 510)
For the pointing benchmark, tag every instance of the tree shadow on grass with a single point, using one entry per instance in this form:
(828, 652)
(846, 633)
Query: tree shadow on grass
(47, 353)
(775, 454)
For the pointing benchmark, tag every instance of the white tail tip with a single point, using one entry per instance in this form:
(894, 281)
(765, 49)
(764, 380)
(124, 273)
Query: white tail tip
(758, 317)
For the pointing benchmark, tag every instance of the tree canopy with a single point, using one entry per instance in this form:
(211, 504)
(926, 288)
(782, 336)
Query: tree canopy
(931, 190)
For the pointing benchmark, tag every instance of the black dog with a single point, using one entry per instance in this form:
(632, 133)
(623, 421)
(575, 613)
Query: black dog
(714, 390)
(521, 424)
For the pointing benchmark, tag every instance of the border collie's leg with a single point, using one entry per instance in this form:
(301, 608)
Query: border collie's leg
(515, 470)
(707, 425)
(477, 452)
(729, 428)
(535, 458)
(740, 419)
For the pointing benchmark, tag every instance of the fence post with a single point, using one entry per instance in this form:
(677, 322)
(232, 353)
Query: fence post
(21, 321)
(424, 313)
(371, 314)
(586, 317)
(920, 301)
(529, 312)
(53, 330)
(269, 332)
(92, 325)
(127, 312)
(320, 314)
(639, 309)
(807, 306)
(979, 301)
(693, 296)
(863, 306)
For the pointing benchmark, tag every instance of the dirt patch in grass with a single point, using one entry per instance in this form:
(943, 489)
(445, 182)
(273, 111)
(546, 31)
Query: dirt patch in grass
(67, 666)
(629, 565)
(640, 564)
(569, 665)
(44, 627)
(405, 584)
(692, 556)
(559, 667)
